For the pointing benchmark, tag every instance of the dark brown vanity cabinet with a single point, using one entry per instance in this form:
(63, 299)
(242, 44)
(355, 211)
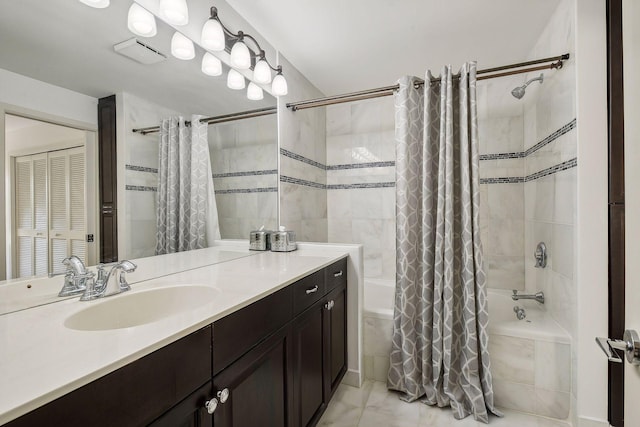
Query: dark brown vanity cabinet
(273, 363)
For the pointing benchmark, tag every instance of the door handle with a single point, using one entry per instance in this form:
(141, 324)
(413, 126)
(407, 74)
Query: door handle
(629, 344)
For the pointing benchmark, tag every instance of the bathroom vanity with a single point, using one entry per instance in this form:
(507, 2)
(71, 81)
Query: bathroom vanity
(273, 360)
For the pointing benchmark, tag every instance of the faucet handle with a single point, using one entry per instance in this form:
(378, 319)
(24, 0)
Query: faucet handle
(125, 266)
(515, 292)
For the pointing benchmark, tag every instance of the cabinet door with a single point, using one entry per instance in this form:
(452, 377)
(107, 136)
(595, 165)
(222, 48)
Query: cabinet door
(308, 343)
(335, 353)
(257, 385)
(191, 412)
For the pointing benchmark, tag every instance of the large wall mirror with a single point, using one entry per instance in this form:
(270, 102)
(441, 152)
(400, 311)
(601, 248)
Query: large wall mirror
(57, 59)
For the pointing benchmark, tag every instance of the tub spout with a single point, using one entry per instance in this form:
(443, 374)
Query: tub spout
(538, 296)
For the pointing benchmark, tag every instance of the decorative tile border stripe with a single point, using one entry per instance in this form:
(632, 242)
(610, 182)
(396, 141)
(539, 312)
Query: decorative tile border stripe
(361, 186)
(555, 135)
(289, 180)
(517, 155)
(247, 173)
(302, 159)
(248, 190)
(141, 168)
(361, 165)
(505, 180)
(544, 172)
(500, 156)
(140, 188)
(553, 169)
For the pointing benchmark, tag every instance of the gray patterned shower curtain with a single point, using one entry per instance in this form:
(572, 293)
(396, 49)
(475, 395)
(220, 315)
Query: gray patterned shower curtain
(440, 339)
(186, 212)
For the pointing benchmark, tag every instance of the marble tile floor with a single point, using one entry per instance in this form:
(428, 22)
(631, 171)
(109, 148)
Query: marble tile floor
(373, 405)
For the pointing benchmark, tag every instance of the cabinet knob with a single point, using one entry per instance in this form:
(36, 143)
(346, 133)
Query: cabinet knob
(211, 405)
(338, 274)
(223, 395)
(312, 290)
(329, 305)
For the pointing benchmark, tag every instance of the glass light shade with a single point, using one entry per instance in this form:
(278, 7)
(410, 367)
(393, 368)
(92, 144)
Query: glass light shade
(279, 86)
(262, 72)
(212, 36)
(175, 12)
(182, 47)
(98, 4)
(254, 92)
(235, 80)
(141, 21)
(211, 65)
(240, 57)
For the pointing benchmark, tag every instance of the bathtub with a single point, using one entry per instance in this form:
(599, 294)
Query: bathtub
(530, 358)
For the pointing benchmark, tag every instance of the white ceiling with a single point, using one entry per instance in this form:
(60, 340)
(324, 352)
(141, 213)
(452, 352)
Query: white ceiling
(348, 45)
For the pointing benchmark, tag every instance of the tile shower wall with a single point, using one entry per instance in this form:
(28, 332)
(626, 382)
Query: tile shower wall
(361, 181)
(141, 174)
(550, 201)
(528, 188)
(303, 175)
(244, 161)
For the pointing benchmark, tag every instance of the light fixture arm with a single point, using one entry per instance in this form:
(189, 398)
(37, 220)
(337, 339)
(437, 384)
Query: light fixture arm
(240, 35)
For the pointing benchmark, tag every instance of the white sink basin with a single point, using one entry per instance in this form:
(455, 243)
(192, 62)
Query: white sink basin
(140, 308)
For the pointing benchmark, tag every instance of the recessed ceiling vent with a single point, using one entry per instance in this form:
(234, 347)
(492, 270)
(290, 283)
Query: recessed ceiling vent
(139, 52)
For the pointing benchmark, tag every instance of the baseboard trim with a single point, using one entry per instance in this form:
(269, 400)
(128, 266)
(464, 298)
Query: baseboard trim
(591, 422)
(352, 378)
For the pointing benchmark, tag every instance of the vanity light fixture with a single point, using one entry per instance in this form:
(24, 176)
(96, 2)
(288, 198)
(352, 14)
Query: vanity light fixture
(240, 56)
(214, 35)
(279, 85)
(175, 12)
(211, 65)
(235, 80)
(182, 47)
(141, 22)
(254, 92)
(98, 4)
(262, 71)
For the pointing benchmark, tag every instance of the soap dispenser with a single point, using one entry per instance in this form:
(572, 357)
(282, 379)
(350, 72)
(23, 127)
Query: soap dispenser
(283, 240)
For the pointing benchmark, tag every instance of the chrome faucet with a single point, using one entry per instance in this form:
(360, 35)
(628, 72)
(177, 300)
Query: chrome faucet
(538, 296)
(110, 283)
(76, 277)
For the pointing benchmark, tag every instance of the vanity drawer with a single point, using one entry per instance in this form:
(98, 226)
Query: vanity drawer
(307, 291)
(135, 394)
(336, 274)
(237, 333)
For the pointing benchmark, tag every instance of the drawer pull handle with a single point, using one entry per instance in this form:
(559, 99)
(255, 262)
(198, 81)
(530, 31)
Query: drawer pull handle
(338, 274)
(211, 405)
(329, 305)
(312, 290)
(223, 395)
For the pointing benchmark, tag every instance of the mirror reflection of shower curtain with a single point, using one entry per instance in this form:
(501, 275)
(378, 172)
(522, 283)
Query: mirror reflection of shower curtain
(439, 349)
(186, 213)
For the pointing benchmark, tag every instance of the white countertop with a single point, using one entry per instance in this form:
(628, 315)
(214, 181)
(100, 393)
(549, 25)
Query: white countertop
(41, 359)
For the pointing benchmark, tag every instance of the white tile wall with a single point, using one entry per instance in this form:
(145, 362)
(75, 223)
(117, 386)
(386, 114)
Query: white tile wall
(303, 209)
(363, 132)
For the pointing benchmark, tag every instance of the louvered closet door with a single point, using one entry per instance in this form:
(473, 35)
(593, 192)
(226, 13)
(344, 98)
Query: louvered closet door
(31, 215)
(66, 206)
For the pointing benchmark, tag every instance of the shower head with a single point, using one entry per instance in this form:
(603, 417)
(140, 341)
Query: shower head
(520, 90)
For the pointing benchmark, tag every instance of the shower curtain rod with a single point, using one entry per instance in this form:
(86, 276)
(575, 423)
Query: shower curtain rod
(219, 119)
(389, 90)
(377, 92)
